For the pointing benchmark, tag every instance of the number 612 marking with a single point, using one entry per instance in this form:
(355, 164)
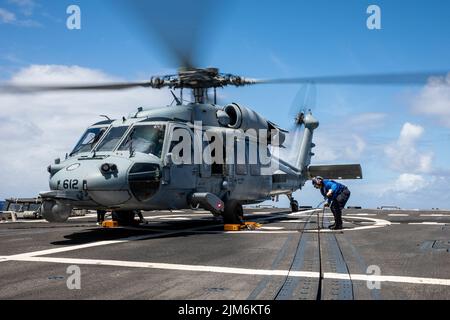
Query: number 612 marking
(70, 184)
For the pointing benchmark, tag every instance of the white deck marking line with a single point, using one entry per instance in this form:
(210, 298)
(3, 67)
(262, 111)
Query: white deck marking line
(398, 215)
(429, 223)
(30, 221)
(435, 215)
(103, 243)
(364, 214)
(45, 221)
(242, 271)
(223, 232)
(262, 213)
(281, 215)
(91, 215)
(398, 279)
(165, 266)
(293, 221)
(378, 223)
(134, 238)
(251, 232)
(271, 228)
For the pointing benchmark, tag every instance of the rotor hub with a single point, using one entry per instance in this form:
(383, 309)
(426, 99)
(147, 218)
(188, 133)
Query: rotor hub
(194, 78)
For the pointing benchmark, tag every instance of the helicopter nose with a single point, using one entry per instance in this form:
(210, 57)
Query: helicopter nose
(104, 181)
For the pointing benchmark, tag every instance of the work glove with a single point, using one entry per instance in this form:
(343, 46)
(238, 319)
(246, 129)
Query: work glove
(326, 205)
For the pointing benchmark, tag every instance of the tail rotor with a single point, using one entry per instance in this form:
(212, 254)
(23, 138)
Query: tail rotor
(303, 104)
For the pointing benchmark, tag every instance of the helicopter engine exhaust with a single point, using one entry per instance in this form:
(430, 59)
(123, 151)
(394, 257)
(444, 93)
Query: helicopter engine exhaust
(55, 211)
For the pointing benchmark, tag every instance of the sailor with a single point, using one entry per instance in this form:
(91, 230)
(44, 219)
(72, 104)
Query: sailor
(336, 195)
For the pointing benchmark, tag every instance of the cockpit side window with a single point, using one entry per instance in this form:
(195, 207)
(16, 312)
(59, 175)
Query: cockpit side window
(88, 140)
(112, 138)
(145, 139)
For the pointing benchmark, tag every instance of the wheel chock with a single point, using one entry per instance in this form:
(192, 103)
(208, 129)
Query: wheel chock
(232, 227)
(248, 225)
(110, 224)
(252, 225)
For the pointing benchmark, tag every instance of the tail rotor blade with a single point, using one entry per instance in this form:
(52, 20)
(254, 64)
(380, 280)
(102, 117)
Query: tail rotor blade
(305, 101)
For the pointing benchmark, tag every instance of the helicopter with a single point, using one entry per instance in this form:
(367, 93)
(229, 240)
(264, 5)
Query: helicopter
(180, 156)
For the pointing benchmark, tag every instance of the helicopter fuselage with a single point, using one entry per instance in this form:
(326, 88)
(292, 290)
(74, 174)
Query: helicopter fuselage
(136, 163)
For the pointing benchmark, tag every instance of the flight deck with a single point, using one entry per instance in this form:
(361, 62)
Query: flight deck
(380, 255)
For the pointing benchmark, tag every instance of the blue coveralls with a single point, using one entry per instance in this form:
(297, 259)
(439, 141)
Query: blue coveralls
(338, 200)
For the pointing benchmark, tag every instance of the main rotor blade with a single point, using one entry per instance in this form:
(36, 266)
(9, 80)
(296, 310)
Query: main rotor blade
(13, 88)
(417, 78)
(179, 25)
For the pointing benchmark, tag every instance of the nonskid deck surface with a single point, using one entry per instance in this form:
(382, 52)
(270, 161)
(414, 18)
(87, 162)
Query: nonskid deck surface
(187, 255)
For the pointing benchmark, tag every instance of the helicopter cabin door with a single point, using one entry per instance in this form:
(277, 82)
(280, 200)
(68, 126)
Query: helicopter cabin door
(183, 171)
(213, 168)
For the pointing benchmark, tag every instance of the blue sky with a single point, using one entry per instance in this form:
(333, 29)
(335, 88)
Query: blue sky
(399, 134)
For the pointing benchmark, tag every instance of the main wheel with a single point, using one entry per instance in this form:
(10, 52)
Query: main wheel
(233, 214)
(294, 206)
(124, 218)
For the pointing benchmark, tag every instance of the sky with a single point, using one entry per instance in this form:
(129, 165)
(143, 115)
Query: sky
(399, 134)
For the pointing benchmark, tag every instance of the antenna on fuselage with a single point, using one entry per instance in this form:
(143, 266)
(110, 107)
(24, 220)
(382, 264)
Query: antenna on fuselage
(179, 103)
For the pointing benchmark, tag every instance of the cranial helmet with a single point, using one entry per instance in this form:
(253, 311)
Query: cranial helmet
(317, 181)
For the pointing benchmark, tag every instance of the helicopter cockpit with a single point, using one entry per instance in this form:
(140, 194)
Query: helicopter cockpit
(88, 140)
(143, 138)
(148, 139)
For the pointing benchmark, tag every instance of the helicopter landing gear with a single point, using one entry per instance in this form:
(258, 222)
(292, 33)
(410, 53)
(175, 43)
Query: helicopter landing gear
(294, 203)
(124, 218)
(233, 213)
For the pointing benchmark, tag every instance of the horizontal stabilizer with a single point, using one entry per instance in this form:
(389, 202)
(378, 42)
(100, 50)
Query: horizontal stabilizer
(345, 171)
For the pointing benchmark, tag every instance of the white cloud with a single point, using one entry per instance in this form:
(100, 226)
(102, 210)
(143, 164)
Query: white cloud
(348, 147)
(7, 16)
(37, 128)
(434, 100)
(409, 183)
(403, 154)
(355, 150)
(368, 120)
(26, 6)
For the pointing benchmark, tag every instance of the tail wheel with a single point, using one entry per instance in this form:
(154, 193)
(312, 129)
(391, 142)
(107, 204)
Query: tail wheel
(233, 214)
(294, 206)
(124, 218)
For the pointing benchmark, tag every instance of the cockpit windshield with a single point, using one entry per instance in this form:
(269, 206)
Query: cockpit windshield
(145, 139)
(88, 140)
(112, 138)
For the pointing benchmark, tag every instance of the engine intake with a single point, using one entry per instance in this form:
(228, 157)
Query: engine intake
(243, 118)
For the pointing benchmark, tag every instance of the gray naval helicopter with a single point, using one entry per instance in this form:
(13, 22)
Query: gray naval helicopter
(131, 164)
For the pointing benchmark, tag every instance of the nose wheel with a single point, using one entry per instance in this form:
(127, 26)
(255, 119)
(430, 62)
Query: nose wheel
(293, 203)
